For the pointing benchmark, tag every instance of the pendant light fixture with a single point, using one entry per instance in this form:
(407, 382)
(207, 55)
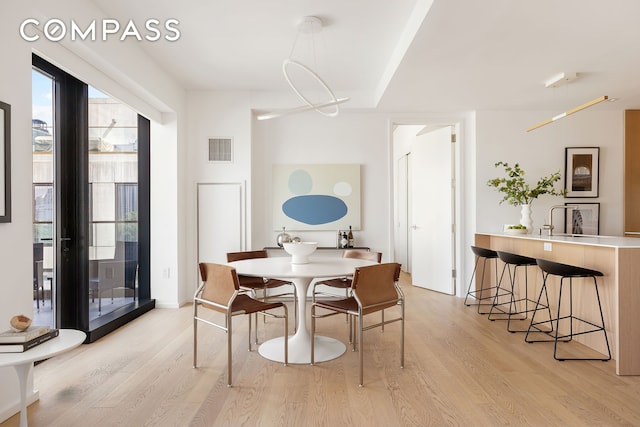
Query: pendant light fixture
(309, 25)
(561, 79)
(569, 112)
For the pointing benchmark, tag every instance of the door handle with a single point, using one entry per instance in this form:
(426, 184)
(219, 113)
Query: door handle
(65, 248)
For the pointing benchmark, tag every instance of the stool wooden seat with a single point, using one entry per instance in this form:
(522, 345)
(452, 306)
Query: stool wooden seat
(570, 272)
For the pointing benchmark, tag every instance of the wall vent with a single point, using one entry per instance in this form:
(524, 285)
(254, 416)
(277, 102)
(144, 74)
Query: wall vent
(221, 150)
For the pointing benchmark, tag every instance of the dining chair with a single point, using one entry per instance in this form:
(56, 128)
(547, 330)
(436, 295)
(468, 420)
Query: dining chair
(220, 292)
(374, 288)
(262, 284)
(345, 282)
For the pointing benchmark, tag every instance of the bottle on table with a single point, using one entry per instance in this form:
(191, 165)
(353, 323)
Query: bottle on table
(344, 242)
(350, 238)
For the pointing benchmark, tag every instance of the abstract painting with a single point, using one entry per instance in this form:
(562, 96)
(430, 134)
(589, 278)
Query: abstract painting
(316, 196)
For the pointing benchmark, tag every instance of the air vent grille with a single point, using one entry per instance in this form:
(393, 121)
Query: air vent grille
(221, 150)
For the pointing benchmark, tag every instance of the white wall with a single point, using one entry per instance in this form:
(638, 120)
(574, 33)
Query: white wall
(360, 138)
(214, 114)
(16, 295)
(501, 136)
(125, 72)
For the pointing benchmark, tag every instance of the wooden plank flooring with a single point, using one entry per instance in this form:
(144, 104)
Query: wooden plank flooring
(460, 369)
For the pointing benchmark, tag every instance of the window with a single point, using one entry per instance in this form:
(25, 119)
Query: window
(90, 201)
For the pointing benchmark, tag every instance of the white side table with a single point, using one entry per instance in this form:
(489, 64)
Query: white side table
(65, 341)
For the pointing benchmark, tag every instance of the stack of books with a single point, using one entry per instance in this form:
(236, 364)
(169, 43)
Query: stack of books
(18, 342)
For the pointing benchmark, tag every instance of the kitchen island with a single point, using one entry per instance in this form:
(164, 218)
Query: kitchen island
(618, 258)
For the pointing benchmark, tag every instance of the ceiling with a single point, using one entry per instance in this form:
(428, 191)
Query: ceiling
(408, 55)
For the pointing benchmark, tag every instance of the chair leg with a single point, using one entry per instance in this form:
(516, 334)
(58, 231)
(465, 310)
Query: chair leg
(229, 353)
(295, 310)
(250, 330)
(195, 335)
(360, 343)
(286, 334)
(313, 333)
(402, 335)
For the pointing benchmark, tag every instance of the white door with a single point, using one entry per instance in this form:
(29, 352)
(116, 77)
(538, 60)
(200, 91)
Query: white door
(402, 253)
(220, 221)
(432, 214)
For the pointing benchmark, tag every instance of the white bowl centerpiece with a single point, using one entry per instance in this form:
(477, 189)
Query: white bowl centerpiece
(300, 251)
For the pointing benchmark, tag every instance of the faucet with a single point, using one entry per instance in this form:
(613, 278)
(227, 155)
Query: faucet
(551, 209)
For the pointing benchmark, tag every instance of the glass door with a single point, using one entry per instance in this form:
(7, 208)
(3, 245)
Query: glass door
(113, 204)
(91, 205)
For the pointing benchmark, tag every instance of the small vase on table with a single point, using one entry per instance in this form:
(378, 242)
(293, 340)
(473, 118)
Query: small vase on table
(525, 217)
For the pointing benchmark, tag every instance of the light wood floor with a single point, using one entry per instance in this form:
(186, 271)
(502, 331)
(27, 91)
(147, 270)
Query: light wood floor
(460, 369)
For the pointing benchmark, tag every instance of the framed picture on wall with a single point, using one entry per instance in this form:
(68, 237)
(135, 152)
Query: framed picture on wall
(316, 196)
(584, 219)
(582, 171)
(5, 162)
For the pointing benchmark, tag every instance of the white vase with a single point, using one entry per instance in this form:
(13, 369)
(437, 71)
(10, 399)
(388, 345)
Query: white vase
(525, 217)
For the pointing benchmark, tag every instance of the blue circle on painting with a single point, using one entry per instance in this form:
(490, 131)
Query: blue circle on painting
(315, 209)
(300, 182)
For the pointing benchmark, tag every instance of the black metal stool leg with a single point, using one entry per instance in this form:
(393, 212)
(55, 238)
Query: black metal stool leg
(533, 324)
(569, 272)
(480, 295)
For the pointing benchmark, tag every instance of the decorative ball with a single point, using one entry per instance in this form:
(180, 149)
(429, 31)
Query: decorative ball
(282, 238)
(20, 323)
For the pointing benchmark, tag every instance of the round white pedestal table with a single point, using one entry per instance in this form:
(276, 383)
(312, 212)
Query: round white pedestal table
(301, 276)
(22, 362)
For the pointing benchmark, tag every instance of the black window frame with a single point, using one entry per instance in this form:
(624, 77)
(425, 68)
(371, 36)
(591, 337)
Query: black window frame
(71, 163)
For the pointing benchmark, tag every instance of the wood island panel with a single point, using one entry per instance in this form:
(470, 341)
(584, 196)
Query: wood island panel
(619, 290)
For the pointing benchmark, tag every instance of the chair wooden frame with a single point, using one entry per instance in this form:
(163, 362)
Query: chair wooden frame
(374, 288)
(219, 291)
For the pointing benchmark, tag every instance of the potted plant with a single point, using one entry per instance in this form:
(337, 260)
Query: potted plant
(518, 192)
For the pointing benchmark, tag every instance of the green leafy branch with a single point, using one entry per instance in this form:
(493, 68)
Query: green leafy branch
(517, 191)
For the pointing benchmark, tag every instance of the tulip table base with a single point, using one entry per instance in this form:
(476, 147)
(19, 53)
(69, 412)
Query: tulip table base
(300, 349)
(300, 344)
(301, 276)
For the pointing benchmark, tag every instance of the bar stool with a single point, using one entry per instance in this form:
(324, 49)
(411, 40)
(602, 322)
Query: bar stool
(479, 294)
(512, 262)
(570, 272)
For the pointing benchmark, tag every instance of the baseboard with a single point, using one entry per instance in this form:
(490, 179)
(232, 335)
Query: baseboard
(11, 409)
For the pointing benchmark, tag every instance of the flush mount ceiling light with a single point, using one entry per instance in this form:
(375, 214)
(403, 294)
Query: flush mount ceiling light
(561, 79)
(307, 25)
(569, 112)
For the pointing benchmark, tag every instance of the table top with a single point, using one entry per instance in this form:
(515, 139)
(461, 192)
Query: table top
(281, 267)
(65, 341)
(576, 239)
